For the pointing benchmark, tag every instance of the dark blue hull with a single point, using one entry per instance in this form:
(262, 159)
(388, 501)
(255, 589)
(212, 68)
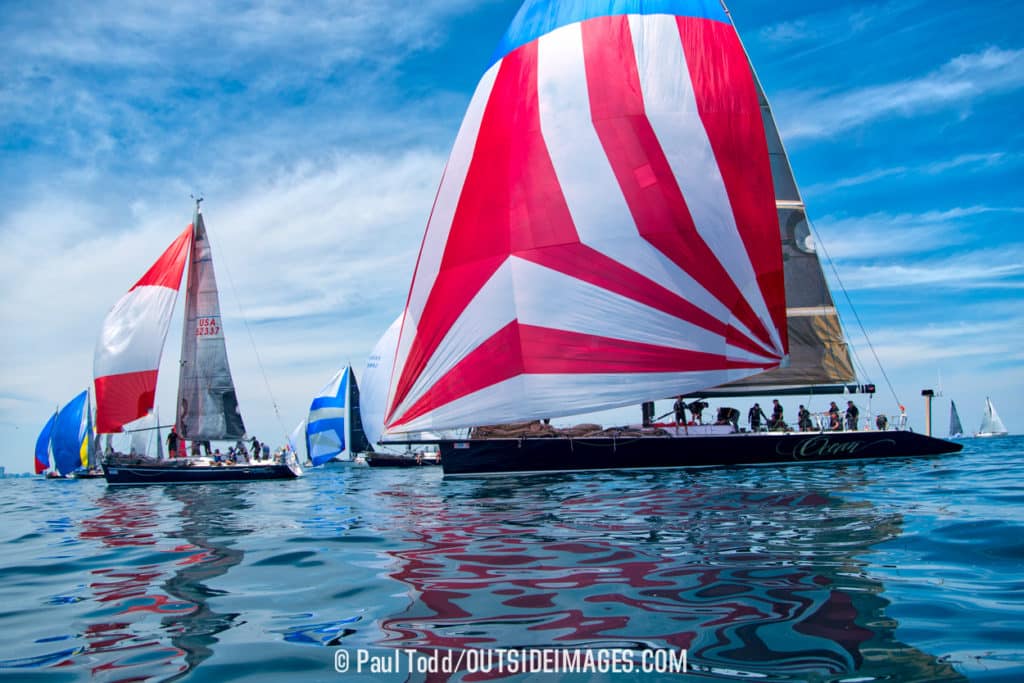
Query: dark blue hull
(136, 475)
(562, 454)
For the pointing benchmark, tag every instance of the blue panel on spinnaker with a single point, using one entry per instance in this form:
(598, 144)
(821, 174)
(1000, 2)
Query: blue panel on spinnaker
(540, 17)
(68, 433)
(325, 427)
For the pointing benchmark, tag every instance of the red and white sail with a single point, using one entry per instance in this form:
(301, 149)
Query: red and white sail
(127, 355)
(605, 231)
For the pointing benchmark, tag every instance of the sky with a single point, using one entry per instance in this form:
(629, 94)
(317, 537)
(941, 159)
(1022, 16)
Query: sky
(317, 133)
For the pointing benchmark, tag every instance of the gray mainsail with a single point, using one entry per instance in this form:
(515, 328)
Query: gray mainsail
(207, 405)
(818, 351)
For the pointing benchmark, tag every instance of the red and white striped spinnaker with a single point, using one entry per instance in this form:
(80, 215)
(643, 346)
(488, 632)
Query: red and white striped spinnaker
(127, 355)
(605, 231)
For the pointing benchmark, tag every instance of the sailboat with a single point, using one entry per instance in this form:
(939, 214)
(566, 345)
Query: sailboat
(991, 425)
(375, 388)
(127, 359)
(334, 428)
(618, 223)
(67, 436)
(43, 445)
(955, 428)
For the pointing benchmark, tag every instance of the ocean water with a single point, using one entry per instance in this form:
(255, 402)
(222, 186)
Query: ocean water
(909, 570)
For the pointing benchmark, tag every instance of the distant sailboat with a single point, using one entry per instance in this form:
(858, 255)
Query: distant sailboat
(71, 438)
(127, 360)
(991, 425)
(955, 428)
(44, 444)
(334, 428)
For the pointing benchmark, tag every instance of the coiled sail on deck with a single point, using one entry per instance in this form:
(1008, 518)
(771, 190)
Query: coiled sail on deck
(605, 231)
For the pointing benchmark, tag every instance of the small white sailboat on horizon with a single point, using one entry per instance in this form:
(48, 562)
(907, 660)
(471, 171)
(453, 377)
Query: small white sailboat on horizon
(991, 425)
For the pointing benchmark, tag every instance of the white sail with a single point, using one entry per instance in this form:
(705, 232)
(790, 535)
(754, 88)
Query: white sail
(991, 425)
(374, 395)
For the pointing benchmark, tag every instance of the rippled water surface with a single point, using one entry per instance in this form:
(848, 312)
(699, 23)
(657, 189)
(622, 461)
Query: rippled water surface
(903, 571)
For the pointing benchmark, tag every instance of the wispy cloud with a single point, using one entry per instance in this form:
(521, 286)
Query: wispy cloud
(958, 343)
(336, 242)
(889, 235)
(955, 84)
(991, 269)
(968, 162)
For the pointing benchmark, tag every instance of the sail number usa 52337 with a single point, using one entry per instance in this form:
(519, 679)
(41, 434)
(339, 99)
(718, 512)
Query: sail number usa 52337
(208, 327)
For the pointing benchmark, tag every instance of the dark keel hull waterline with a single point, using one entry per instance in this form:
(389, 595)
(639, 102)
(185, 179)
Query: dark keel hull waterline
(562, 454)
(137, 475)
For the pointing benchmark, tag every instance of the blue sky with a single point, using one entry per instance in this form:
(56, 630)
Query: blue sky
(318, 131)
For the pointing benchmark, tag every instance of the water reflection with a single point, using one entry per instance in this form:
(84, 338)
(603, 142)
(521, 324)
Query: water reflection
(168, 582)
(208, 512)
(753, 575)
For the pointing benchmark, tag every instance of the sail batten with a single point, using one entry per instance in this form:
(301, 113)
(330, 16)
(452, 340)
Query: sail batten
(607, 212)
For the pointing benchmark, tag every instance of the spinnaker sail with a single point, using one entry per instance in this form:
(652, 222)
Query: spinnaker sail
(606, 230)
(127, 355)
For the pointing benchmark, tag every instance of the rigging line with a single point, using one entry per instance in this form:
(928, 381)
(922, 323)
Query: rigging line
(252, 340)
(860, 324)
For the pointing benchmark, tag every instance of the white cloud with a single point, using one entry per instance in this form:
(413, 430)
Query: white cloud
(967, 77)
(318, 258)
(990, 269)
(887, 235)
(969, 162)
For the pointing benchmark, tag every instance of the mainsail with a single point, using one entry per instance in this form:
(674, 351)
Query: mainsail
(606, 230)
(207, 405)
(955, 428)
(43, 445)
(127, 355)
(818, 352)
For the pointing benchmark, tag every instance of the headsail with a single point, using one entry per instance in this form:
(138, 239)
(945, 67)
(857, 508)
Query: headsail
(207, 404)
(955, 428)
(605, 231)
(131, 341)
(69, 434)
(43, 443)
(376, 376)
